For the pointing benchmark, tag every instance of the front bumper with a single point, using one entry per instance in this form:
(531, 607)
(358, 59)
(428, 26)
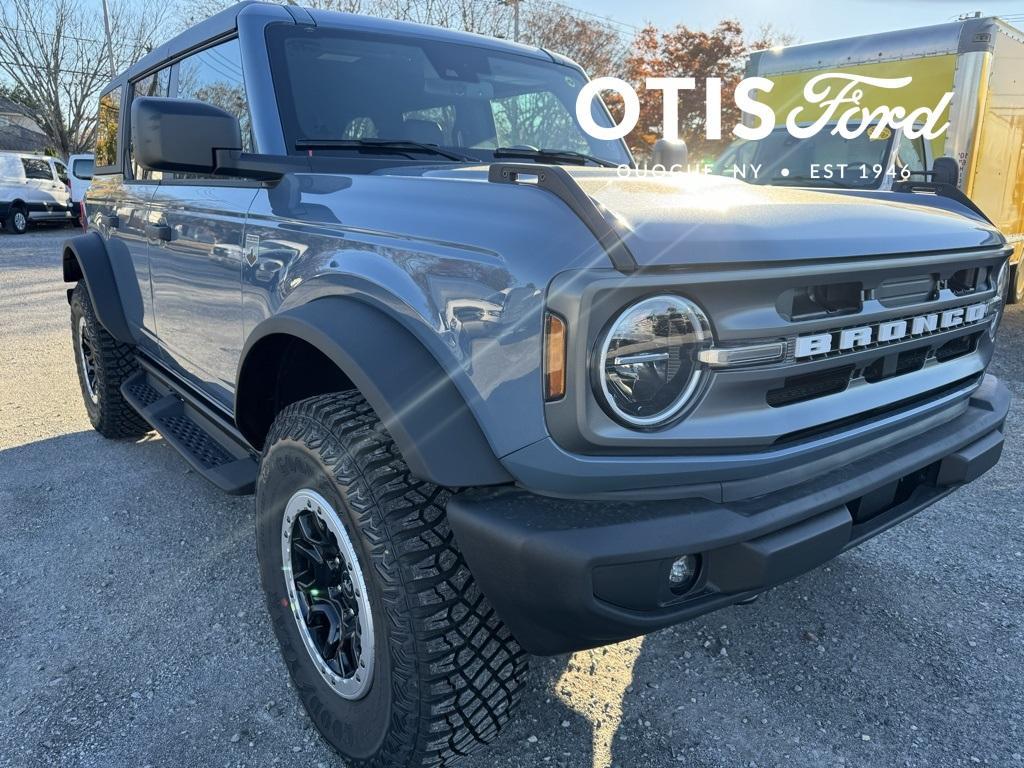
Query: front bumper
(572, 574)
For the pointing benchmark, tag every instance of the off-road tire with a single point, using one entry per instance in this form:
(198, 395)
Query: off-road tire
(1015, 294)
(446, 672)
(113, 362)
(17, 225)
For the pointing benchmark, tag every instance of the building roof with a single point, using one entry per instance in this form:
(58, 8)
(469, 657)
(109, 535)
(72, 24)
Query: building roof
(9, 107)
(14, 138)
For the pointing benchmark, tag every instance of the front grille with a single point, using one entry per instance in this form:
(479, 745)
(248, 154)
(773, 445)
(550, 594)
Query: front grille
(887, 367)
(957, 348)
(840, 424)
(798, 389)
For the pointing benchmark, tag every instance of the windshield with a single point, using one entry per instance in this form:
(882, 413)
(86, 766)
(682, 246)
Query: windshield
(336, 84)
(820, 160)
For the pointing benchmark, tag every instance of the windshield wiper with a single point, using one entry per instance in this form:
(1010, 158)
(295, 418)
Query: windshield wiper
(813, 179)
(554, 155)
(383, 145)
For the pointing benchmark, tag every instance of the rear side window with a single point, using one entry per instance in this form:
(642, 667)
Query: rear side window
(107, 133)
(37, 169)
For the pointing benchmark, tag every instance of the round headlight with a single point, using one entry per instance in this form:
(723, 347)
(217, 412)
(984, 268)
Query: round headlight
(648, 368)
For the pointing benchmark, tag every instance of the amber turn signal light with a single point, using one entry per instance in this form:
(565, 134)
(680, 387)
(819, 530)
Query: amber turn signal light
(554, 357)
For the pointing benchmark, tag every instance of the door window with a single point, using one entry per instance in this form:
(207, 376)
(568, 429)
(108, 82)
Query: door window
(62, 171)
(155, 84)
(37, 169)
(215, 76)
(910, 157)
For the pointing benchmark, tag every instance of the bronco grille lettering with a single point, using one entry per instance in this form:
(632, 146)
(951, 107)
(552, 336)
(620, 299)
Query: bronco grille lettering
(891, 330)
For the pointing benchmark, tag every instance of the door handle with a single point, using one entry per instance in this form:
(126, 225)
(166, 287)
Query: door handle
(158, 232)
(109, 221)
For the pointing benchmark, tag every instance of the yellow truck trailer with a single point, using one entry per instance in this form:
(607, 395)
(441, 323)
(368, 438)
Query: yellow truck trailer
(980, 60)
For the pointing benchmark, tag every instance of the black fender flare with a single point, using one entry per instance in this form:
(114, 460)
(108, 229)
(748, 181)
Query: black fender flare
(413, 396)
(85, 258)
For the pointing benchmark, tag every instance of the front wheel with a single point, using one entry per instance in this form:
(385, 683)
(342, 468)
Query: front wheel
(394, 652)
(1016, 293)
(17, 220)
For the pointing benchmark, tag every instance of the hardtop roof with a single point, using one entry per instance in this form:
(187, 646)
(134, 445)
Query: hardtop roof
(226, 22)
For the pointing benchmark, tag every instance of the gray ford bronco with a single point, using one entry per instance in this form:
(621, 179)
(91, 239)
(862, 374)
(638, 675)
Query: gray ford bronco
(496, 392)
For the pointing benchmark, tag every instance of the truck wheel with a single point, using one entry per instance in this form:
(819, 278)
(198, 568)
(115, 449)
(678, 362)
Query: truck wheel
(103, 364)
(1017, 284)
(17, 220)
(395, 654)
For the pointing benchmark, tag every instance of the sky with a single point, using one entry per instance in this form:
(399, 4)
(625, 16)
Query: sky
(808, 20)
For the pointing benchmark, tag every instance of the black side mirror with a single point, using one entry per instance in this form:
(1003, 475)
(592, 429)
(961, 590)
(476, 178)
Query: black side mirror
(178, 135)
(945, 171)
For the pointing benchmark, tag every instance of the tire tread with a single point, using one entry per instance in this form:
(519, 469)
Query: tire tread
(464, 670)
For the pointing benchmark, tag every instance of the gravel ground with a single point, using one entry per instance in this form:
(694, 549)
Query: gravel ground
(133, 630)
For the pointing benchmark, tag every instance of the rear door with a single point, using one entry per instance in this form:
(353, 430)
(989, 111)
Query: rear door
(196, 230)
(80, 172)
(62, 189)
(116, 210)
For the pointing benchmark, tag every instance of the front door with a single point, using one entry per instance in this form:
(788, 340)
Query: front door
(196, 228)
(195, 234)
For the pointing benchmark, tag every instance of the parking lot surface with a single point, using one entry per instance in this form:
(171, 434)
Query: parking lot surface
(133, 630)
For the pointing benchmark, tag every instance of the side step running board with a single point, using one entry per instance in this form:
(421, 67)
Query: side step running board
(209, 446)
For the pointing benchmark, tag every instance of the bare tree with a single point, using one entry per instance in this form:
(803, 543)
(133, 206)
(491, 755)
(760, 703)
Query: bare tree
(55, 53)
(595, 45)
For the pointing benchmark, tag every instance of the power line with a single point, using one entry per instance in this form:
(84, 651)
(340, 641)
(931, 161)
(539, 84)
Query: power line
(50, 34)
(60, 70)
(605, 19)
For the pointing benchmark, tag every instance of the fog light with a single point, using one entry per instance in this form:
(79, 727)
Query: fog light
(683, 572)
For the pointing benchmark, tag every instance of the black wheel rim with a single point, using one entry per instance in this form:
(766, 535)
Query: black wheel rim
(327, 593)
(87, 359)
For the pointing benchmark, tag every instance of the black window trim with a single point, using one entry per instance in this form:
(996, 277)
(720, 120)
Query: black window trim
(172, 83)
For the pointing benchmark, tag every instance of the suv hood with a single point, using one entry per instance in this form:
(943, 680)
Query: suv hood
(698, 219)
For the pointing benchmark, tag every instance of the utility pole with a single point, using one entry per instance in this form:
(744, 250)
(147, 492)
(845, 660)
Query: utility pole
(515, 16)
(110, 46)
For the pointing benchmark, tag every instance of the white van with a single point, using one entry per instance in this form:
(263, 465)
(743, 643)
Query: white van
(33, 188)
